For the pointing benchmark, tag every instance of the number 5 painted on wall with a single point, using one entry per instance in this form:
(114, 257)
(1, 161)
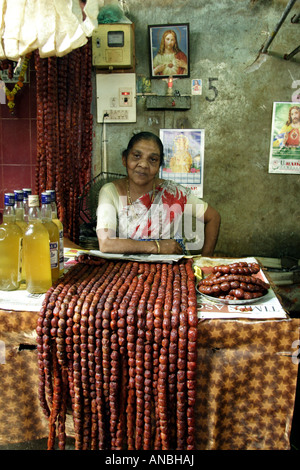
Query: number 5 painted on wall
(212, 87)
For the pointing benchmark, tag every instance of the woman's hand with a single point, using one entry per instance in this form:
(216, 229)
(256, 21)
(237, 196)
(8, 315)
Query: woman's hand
(169, 247)
(127, 245)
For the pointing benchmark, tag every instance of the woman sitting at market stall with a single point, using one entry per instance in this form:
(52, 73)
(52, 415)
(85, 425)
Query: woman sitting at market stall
(142, 213)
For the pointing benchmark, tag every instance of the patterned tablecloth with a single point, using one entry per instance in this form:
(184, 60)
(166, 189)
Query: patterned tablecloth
(246, 382)
(247, 376)
(21, 418)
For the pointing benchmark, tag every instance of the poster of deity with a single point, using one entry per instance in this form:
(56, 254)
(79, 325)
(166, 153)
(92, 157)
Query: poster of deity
(184, 157)
(285, 138)
(169, 50)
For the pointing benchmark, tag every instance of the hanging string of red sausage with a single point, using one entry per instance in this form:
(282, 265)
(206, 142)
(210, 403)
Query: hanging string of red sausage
(64, 131)
(117, 351)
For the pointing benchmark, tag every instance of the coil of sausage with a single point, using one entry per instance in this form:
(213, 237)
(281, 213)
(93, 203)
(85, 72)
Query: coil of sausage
(236, 281)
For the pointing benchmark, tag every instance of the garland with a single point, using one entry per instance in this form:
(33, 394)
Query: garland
(10, 94)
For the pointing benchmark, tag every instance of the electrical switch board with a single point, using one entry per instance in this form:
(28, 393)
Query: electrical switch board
(116, 97)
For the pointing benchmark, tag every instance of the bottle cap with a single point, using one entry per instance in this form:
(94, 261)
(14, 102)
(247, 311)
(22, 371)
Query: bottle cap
(33, 200)
(46, 198)
(26, 191)
(18, 194)
(9, 199)
(52, 192)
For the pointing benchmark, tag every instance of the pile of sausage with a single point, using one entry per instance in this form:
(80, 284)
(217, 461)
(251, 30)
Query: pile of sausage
(117, 348)
(64, 131)
(236, 281)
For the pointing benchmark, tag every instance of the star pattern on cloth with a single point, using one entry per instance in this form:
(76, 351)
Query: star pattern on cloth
(246, 384)
(21, 417)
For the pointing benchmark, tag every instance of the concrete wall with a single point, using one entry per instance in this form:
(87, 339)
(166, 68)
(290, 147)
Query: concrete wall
(260, 211)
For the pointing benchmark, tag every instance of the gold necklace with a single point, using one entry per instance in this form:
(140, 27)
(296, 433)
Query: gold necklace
(129, 200)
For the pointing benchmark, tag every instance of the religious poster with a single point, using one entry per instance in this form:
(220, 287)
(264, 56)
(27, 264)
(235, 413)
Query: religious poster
(169, 50)
(197, 86)
(184, 157)
(285, 138)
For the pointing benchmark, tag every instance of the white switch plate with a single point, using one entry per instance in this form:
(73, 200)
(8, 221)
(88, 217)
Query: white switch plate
(113, 102)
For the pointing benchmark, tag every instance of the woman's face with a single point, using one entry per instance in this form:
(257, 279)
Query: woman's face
(142, 162)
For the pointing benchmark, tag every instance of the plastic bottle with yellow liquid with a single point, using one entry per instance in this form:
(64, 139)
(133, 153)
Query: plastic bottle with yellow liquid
(10, 246)
(36, 250)
(53, 231)
(60, 229)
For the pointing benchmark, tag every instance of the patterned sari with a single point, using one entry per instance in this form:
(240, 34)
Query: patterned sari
(158, 217)
(153, 217)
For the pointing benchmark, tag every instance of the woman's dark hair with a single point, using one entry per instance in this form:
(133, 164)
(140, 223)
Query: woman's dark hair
(145, 136)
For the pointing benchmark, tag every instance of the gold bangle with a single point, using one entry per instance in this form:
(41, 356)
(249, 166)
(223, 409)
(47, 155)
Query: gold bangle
(158, 246)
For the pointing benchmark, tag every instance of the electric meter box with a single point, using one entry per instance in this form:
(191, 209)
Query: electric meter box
(112, 46)
(116, 97)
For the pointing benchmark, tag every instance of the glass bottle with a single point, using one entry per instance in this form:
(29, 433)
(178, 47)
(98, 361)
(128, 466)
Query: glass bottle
(60, 229)
(10, 246)
(19, 211)
(36, 250)
(46, 216)
(26, 193)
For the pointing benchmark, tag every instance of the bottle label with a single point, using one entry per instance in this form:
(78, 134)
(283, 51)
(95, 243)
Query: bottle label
(54, 254)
